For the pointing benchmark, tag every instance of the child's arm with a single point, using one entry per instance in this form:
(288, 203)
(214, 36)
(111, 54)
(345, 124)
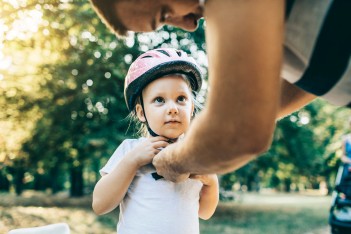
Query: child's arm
(209, 195)
(111, 188)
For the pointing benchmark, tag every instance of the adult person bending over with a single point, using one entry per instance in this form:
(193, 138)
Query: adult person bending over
(251, 44)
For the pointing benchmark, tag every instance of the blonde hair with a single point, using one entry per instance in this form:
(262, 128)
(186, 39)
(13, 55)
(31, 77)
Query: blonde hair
(107, 14)
(142, 127)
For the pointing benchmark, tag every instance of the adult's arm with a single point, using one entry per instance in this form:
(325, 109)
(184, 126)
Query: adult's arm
(292, 98)
(244, 44)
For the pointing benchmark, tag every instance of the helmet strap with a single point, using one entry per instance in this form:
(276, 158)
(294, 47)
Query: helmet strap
(152, 133)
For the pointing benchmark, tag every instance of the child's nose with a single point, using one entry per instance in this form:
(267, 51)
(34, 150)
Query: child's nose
(172, 108)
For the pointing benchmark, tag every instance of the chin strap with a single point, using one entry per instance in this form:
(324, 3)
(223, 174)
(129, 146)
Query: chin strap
(152, 133)
(156, 176)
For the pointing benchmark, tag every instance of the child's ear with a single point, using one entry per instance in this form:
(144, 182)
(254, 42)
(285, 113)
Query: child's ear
(140, 112)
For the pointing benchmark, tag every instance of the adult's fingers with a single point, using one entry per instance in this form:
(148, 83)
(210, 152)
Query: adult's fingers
(160, 144)
(195, 176)
(158, 138)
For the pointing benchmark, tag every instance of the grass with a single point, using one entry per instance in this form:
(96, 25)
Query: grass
(252, 214)
(257, 214)
(32, 210)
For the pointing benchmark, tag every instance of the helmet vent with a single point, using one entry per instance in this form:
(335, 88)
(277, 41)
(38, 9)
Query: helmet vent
(164, 52)
(147, 56)
(179, 53)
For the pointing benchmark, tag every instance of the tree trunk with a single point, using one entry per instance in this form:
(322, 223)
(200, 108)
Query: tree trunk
(56, 183)
(249, 182)
(39, 182)
(287, 184)
(18, 179)
(257, 183)
(4, 182)
(77, 181)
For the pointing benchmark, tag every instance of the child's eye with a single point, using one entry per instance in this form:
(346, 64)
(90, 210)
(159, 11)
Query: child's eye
(159, 100)
(182, 99)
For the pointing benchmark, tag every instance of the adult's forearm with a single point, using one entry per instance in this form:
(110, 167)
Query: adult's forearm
(213, 148)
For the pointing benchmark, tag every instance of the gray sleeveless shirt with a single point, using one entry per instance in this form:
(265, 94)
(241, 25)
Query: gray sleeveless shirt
(317, 48)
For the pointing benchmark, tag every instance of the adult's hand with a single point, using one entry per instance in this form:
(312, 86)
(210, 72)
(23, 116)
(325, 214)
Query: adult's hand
(165, 166)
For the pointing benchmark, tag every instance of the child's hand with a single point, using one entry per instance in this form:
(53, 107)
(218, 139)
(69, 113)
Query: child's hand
(208, 180)
(146, 150)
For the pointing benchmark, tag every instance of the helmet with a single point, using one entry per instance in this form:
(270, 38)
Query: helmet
(155, 64)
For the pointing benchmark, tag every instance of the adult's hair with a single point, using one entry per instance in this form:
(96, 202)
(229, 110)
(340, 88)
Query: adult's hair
(108, 15)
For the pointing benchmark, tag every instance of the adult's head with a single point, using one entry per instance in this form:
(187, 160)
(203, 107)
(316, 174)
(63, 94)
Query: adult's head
(122, 16)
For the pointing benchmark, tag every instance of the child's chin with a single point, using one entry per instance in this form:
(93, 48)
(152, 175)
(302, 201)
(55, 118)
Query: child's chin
(172, 136)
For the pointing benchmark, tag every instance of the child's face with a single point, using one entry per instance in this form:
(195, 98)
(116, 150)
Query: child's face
(168, 106)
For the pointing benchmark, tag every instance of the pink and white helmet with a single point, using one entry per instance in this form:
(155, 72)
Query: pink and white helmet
(157, 63)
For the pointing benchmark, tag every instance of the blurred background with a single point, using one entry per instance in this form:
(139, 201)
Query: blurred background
(62, 114)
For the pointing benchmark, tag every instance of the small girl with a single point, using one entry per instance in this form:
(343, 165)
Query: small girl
(160, 90)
